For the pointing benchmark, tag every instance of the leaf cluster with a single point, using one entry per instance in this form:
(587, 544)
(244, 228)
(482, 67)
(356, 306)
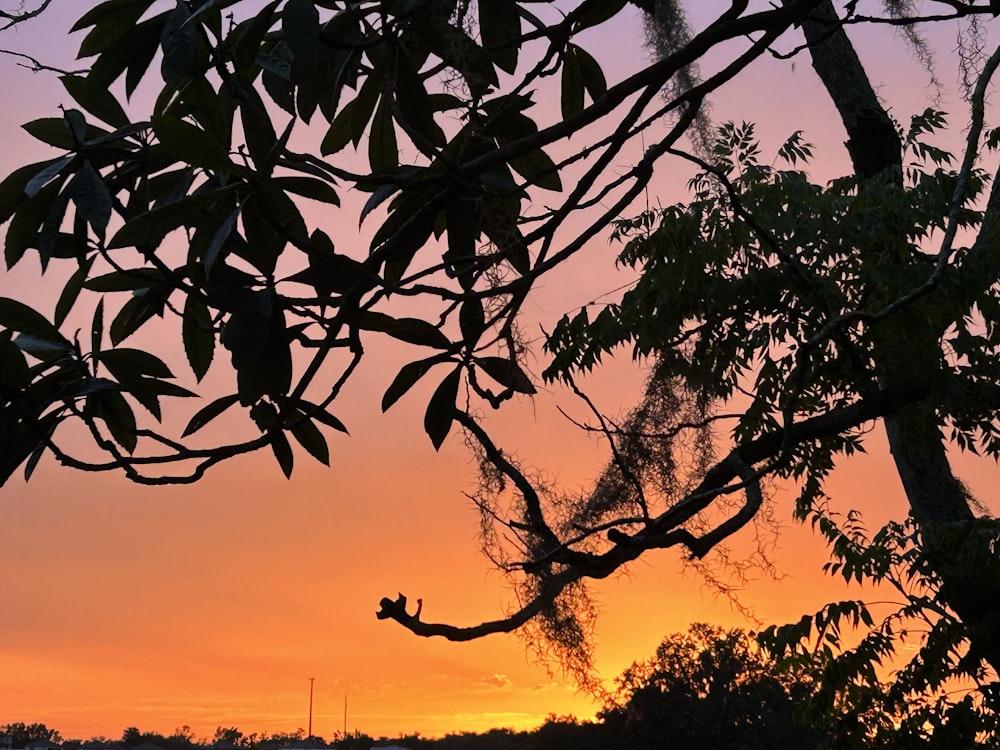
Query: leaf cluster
(769, 284)
(211, 172)
(914, 676)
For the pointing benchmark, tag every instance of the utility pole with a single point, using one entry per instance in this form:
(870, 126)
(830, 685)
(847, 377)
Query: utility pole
(345, 714)
(311, 681)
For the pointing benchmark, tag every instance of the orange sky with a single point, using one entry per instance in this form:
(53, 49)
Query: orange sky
(212, 605)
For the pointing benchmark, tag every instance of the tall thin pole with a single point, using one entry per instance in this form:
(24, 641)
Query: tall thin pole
(311, 681)
(345, 714)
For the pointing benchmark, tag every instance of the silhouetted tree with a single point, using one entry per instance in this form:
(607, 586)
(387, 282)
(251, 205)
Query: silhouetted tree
(22, 734)
(710, 688)
(230, 735)
(132, 737)
(354, 741)
(283, 737)
(182, 739)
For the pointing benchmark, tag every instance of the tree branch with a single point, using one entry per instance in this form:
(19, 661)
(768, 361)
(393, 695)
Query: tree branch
(664, 530)
(13, 18)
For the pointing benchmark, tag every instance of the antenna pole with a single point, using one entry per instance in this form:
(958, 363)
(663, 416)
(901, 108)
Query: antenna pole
(311, 681)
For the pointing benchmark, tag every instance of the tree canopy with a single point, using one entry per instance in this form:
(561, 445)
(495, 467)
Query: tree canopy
(780, 318)
(711, 688)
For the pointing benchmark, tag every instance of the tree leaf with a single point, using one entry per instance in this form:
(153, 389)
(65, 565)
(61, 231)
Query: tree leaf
(281, 91)
(407, 377)
(45, 350)
(572, 87)
(177, 41)
(592, 73)
(97, 329)
(97, 100)
(12, 192)
(261, 138)
(595, 12)
(166, 388)
(208, 413)
(113, 409)
(404, 232)
(246, 332)
(383, 153)
(213, 7)
(472, 321)
(71, 291)
(198, 336)
(52, 131)
(119, 14)
(330, 272)
(278, 62)
(300, 24)
(47, 239)
(264, 243)
(190, 144)
(350, 123)
(77, 125)
(124, 281)
(91, 197)
(143, 391)
(506, 373)
(381, 194)
(250, 34)
(134, 313)
(17, 316)
(537, 168)
(322, 416)
(127, 364)
(415, 105)
(14, 372)
(260, 348)
(410, 330)
(21, 444)
(308, 187)
(282, 452)
(281, 211)
(151, 227)
(132, 52)
(500, 28)
(138, 53)
(45, 176)
(219, 239)
(309, 437)
(459, 50)
(441, 409)
(463, 233)
(23, 230)
(46, 428)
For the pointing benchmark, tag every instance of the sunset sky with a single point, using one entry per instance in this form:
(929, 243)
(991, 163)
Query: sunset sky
(213, 605)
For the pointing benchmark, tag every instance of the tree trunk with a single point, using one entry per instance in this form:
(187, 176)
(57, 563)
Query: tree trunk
(909, 346)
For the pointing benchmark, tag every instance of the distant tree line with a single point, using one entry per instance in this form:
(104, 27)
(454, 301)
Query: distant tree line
(183, 738)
